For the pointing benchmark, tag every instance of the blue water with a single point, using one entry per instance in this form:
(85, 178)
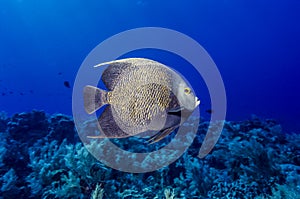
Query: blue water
(255, 45)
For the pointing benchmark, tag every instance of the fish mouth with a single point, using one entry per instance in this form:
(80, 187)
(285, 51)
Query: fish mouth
(197, 101)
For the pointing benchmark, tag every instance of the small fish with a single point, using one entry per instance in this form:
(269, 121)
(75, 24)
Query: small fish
(67, 84)
(143, 95)
(210, 111)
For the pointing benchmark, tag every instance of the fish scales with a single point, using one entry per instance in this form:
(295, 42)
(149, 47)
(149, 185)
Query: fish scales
(142, 95)
(136, 107)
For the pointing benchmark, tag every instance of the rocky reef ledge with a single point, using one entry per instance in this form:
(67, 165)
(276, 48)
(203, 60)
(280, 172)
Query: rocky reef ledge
(41, 156)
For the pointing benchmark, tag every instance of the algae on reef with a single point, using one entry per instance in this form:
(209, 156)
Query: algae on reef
(41, 156)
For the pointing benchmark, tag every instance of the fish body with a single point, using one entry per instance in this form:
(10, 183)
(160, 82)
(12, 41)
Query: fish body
(142, 95)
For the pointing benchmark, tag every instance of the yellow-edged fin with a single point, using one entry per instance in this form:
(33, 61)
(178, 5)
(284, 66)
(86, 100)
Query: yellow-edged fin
(105, 63)
(128, 60)
(173, 110)
(161, 135)
(96, 137)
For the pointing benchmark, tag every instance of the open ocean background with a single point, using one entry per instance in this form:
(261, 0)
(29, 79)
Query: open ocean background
(255, 45)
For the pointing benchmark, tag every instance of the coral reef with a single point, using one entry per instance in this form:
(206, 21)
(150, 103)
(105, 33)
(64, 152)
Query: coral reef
(42, 157)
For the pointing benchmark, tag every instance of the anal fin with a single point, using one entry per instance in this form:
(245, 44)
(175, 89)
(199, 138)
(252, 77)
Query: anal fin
(109, 128)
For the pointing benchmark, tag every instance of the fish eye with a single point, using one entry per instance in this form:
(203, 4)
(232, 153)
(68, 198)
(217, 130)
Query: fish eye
(187, 90)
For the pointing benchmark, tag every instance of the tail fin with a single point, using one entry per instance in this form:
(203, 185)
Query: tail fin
(93, 98)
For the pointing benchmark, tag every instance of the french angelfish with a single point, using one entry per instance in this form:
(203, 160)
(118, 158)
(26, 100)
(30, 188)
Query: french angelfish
(143, 95)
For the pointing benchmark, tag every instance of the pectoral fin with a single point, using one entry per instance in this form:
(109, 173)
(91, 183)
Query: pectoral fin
(177, 109)
(161, 135)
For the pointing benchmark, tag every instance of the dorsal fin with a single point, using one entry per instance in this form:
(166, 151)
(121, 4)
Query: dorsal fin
(111, 74)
